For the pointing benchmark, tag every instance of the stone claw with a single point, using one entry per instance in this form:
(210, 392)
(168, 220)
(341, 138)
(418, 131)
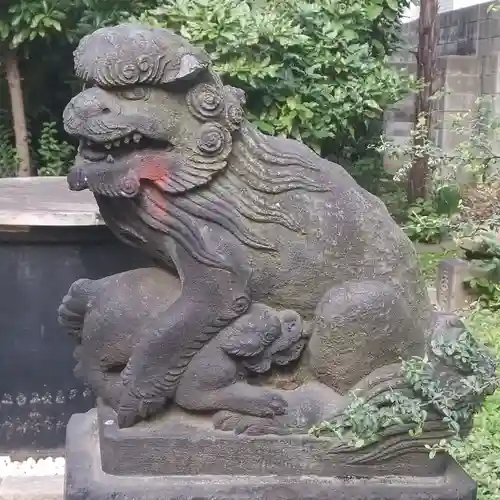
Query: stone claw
(271, 404)
(246, 424)
(226, 420)
(266, 426)
(133, 409)
(254, 426)
(128, 412)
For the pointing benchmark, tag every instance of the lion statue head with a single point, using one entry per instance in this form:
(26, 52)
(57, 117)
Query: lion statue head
(156, 126)
(136, 122)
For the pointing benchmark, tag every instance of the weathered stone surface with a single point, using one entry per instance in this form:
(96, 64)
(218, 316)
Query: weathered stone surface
(452, 295)
(270, 262)
(338, 346)
(86, 480)
(246, 218)
(186, 444)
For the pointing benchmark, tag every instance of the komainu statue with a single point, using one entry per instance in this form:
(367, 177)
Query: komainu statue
(282, 294)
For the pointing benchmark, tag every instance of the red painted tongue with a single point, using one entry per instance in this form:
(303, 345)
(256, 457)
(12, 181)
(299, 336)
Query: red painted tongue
(154, 168)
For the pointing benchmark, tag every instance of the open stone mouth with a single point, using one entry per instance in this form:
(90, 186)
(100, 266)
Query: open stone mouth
(98, 151)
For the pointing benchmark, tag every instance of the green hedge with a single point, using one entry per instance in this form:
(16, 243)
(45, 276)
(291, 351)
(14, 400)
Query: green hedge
(315, 71)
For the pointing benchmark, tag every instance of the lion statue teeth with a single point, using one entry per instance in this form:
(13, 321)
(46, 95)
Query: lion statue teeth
(181, 175)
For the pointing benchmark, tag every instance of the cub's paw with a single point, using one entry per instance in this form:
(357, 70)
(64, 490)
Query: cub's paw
(269, 404)
(246, 424)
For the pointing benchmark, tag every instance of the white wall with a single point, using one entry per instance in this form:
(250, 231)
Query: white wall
(445, 5)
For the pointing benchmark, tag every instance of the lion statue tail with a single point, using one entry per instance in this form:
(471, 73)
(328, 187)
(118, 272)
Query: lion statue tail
(74, 305)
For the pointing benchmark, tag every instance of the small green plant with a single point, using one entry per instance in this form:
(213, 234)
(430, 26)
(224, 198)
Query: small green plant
(458, 397)
(473, 159)
(362, 422)
(447, 199)
(482, 249)
(8, 155)
(451, 173)
(369, 173)
(429, 260)
(479, 453)
(425, 225)
(476, 156)
(417, 146)
(55, 156)
(485, 290)
(455, 397)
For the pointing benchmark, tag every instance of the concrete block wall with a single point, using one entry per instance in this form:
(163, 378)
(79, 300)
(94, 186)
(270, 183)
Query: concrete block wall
(468, 68)
(399, 119)
(461, 89)
(458, 32)
(490, 88)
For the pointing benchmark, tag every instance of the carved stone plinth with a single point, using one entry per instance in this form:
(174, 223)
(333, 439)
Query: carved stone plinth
(151, 462)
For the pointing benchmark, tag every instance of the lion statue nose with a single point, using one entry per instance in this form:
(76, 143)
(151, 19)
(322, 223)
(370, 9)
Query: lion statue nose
(88, 104)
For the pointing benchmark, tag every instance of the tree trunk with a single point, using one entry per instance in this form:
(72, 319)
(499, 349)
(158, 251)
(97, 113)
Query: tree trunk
(18, 115)
(428, 33)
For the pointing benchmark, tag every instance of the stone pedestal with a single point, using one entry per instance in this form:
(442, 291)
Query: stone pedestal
(149, 462)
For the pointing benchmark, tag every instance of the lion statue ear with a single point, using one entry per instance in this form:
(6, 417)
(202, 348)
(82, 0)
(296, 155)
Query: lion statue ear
(189, 65)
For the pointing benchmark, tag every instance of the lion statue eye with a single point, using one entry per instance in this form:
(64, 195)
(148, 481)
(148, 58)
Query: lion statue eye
(135, 93)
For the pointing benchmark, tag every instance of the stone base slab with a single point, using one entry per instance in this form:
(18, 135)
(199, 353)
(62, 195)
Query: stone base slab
(179, 443)
(85, 480)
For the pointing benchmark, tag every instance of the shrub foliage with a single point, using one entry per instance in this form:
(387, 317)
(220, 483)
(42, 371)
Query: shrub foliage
(315, 71)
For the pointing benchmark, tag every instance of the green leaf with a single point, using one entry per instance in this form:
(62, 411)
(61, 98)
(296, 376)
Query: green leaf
(391, 15)
(373, 11)
(18, 39)
(373, 104)
(349, 34)
(17, 20)
(36, 20)
(267, 100)
(292, 103)
(393, 5)
(52, 23)
(185, 33)
(448, 199)
(4, 31)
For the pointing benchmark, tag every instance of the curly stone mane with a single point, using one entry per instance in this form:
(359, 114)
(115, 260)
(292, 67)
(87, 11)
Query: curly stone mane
(229, 174)
(243, 193)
